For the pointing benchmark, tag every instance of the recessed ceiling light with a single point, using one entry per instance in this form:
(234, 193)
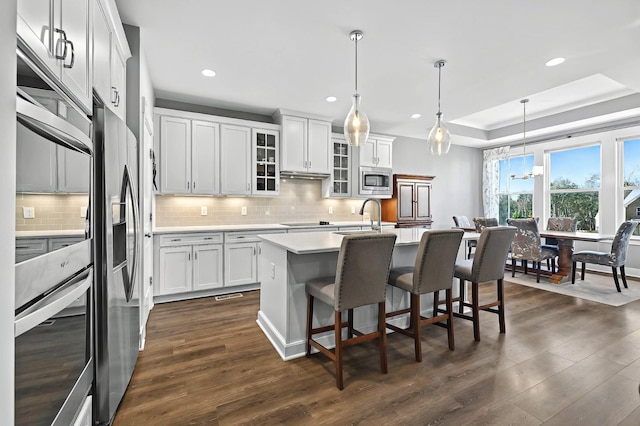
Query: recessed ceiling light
(416, 115)
(555, 61)
(208, 73)
(331, 99)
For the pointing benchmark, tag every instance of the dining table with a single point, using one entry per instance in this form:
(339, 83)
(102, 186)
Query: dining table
(565, 249)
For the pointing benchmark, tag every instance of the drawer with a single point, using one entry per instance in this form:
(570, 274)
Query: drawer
(30, 248)
(247, 236)
(190, 239)
(58, 243)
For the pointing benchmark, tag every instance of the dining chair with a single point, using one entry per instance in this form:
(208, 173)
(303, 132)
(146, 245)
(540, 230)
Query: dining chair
(463, 222)
(567, 224)
(483, 222)
(432, 272)
(361, 276)
(527, 246)
(487, 265)
(616, 258)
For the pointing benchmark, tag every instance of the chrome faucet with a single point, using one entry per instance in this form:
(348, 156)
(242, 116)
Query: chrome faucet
(377, 227)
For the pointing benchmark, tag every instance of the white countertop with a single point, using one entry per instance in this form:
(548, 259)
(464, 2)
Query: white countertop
(50, 233)
(255, 227)
(319, 242)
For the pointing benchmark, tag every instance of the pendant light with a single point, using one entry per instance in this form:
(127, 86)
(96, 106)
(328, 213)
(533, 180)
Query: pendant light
(439, 137)
(356, 125)
(537, 170)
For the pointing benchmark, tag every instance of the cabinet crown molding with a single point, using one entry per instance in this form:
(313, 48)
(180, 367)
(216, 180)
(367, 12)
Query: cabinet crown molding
(277, 115)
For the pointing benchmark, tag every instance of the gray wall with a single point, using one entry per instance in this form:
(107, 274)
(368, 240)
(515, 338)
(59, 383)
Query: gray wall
(7, 204)
(457, 187)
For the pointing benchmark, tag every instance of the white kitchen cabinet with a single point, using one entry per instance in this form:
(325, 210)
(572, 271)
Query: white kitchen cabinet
(207, 266)
(205, 158)
(306, 143)
(265, 162)
(376, 152)
(241, 264)
(73, 171)
(65, 52)
(109, 57)
(235, 160)
(339, 182)
(189, 262)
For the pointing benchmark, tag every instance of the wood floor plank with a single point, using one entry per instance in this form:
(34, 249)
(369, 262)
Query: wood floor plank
(562, 361)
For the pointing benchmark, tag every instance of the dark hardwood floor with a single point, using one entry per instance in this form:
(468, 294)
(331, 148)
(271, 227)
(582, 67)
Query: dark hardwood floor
(562, 361)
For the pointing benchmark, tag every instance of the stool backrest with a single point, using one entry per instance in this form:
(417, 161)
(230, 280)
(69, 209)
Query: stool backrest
(462, 221)
(491, 253)
(621, 242)
(363, 269)
(436, 259)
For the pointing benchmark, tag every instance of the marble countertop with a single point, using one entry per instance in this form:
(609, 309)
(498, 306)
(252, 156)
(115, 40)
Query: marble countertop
(255, 227)
(320, 242)
(50, 233)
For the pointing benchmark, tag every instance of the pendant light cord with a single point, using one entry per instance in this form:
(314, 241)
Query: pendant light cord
(356, 40)
(439, 83)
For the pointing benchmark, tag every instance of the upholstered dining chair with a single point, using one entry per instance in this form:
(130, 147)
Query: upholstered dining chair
(483, 222)
(433, 271)
(487, 265)
(616, 258)
(361, 276)
(463, 222)
(568, 224)
(527, 246)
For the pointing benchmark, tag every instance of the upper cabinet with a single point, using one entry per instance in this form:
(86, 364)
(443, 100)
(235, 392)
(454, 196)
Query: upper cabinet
(376, 152)
(265, 169)
(189, 160)
(56, 34)
(235, 156)
(306, 143)
(339, 182)
(110, 52)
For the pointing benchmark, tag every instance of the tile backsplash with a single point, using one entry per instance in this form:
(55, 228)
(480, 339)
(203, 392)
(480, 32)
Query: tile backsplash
(51, 211)
(299, 201)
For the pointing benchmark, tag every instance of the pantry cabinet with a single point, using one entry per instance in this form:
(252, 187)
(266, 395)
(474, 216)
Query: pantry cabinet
(410, 205)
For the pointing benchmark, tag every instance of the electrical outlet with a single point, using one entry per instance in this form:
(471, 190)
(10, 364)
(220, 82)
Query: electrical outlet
(267, 212)
(29, 212)
(353, 210)
(330, 209)
(83, 212)
(203, 211)
(243, 210)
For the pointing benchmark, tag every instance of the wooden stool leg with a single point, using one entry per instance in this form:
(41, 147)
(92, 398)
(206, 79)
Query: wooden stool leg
(582, 272)
(436, 303)
(615, 278)
(382, 329)
(461, 303)
(513, 267)
(309, 323)
(415, 325)
(338, 349)
(501, 305)
(475, 311)
(449, 296)
(624, 277)
(350, 324)
(573, 273)
(537, 270)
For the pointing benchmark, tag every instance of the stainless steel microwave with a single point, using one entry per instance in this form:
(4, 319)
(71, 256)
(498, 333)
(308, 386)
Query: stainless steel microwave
(375, 181)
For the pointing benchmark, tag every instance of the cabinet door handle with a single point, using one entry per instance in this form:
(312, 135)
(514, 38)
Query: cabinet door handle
(195, 255)
(62, 41)
(176, 239)
(189, 257)
(114, 94)
(194, 185)
(248, 186)
(188, 185)
(254, 251)
(259, 249)
(117, 98)
(208, 238)
(73, 55)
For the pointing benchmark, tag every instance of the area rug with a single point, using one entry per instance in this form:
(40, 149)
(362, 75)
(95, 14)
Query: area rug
(595, 287)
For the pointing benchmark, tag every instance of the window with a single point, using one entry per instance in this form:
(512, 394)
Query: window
(516, 195)
(575, 185)
(631, 184)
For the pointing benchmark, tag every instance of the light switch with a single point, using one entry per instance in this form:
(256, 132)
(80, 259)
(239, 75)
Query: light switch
(29, 212)
(330, 209)
(203, 211)
(83, 212)
(353, 210)
(243, 211)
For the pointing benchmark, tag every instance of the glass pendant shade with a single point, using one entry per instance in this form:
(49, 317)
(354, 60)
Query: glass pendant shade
(356, 125)
(439, 139)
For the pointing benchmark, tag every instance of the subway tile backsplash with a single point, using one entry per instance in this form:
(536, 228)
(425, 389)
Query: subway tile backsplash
(299, 201)
(52, 211)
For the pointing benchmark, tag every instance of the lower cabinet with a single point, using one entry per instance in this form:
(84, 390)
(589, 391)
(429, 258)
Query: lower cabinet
(241, 263)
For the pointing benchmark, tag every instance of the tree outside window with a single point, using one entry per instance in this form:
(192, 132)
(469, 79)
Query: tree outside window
(575, 185)
(516, 195)
(631, 184)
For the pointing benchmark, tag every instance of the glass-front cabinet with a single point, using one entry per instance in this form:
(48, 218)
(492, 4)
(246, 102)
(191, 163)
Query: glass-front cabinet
(266, 173)
(339, 184)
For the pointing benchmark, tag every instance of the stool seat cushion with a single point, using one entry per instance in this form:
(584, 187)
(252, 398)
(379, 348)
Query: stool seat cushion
(322, 289)
(402, 278)
(463, 269)
(596, 257)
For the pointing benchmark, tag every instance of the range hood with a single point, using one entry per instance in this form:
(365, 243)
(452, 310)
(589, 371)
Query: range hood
(303, 175)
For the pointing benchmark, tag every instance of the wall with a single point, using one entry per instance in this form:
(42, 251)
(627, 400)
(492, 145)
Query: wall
(7, 204)
(52, 211)
(457, 187)
(299, 201)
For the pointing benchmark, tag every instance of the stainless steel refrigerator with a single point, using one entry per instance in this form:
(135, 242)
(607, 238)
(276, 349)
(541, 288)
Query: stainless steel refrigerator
(117, 254)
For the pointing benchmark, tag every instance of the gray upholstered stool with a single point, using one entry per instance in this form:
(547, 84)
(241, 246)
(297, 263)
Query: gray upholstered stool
(463, 222)
(433, 271)
(487, 265)
(361, 277)
(616, 258)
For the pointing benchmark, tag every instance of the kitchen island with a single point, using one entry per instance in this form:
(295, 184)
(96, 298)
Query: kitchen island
(287, 261)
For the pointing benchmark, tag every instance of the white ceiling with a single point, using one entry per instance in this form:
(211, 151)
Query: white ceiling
(292, 54)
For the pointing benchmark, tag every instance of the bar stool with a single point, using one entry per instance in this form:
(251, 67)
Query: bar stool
(487, 265)
(361, 276)
(433, 271)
